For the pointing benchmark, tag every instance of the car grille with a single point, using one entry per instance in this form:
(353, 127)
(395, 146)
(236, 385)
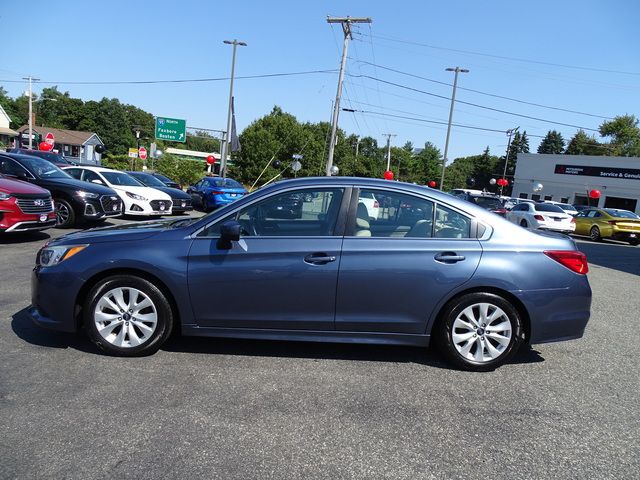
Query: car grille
(156, 204)
(35, 205)
(108, 203)
(177, 202)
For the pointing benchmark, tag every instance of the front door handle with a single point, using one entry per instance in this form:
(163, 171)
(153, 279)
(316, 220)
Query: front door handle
(448, 257)
(319, 258)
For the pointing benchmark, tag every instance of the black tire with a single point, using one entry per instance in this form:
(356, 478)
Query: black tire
(594, 234)
(164, 323)
(444, 332)
(65, 216)
(524, 224)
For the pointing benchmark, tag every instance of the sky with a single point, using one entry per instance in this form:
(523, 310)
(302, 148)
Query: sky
(569, 55)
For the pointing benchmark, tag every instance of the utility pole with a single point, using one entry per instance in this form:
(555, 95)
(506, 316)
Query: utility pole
(453, 101)
(31, 80)
(389, 135)
(346, 28)
(510, 132)
(225, 145)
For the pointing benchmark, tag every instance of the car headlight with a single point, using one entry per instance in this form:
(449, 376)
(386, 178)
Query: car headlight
(83, 194)
(136, 197)
(50, 256)
(5, 196)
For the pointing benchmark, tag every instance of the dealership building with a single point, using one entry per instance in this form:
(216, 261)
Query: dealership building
(570, 178)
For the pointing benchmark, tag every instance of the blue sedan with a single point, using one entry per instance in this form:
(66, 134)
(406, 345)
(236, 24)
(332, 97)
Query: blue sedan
(213, 192)
(427, 268)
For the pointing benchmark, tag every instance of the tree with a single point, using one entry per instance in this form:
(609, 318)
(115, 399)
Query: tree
(624, 133)
(583, 144)
(552, 143)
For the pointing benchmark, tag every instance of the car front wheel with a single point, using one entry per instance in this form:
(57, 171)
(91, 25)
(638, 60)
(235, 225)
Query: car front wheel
(479, 331)
(127, 316)
(65, 216)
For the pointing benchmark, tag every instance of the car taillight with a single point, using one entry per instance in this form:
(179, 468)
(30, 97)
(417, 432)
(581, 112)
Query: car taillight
(612, 222)
(501, 211)
(573, 220)
(539, 218)
(216, 192)
(572, 259)
(376, 204)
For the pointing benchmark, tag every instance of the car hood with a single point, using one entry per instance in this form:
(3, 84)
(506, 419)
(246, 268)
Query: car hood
(147, 192)
(18, 186)
(174, 193)
(72, 183)
(116, 233)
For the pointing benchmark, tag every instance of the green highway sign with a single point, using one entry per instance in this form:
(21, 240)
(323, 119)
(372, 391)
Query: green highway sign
(171, 129)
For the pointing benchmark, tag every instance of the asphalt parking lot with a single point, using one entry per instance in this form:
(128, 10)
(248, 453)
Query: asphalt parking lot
(209, 408)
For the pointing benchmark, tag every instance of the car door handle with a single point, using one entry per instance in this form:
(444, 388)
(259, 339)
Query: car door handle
(448, 257)
(319, 258)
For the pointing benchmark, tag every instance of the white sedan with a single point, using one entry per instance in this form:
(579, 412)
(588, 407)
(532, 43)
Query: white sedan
(544, 216)
(137, 199)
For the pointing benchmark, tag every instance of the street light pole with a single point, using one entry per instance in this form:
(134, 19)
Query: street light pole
(225, 145)
(453, 101)
(30, 79)
(510, 132)
(389, 135)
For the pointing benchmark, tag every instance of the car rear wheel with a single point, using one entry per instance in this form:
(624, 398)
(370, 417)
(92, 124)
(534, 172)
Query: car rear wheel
(594, 233)
(65, 216)
(479, 331)
(524, 224)
(127, 316)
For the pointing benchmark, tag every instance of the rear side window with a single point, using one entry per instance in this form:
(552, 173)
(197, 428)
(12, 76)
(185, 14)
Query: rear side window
(451, 224)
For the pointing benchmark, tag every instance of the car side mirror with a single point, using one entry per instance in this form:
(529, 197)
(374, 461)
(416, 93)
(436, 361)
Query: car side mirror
(99, 182)
(229, 232)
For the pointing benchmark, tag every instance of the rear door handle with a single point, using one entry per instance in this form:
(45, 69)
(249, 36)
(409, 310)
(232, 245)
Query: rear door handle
(448, 257)
(319, 258)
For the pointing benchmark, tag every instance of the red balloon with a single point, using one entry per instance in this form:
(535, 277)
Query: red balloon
(211, 159)
(388, 175)
(45, 146)
(502, 182)
(432, 184)
(594, 194)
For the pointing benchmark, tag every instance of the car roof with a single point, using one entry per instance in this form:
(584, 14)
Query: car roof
(93, 169)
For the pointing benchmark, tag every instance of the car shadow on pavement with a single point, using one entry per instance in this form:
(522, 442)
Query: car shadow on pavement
(25, 329)
(27, 237)
(326, 351)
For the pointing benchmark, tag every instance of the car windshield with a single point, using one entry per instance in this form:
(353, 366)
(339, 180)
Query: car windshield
(43, 169)
(121, 179)
(148, 180)
(621, 213)
(548, 207)
(224, 183)
(487, 202)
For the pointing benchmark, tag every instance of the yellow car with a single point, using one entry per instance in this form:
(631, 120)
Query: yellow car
(599, 223)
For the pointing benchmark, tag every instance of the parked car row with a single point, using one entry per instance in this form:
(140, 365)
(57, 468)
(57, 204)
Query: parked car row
(36, 193)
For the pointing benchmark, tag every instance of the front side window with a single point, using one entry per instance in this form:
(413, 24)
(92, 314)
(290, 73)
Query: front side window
(74, 172)
(90, 176)
(299, 213)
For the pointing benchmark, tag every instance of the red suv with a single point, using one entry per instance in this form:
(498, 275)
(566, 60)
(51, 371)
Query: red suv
(24, 207)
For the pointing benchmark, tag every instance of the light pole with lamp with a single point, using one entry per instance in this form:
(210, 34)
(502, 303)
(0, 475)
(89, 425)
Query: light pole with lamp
(225, 144)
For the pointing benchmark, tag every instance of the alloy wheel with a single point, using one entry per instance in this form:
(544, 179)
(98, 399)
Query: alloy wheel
(62, 213)
(125, 317)
(594, 233)
(482, 332)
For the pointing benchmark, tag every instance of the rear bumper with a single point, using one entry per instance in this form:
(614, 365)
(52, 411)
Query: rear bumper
(626, 236)
(558, 314)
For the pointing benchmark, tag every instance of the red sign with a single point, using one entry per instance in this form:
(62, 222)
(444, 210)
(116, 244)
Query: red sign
(142, 153)
(49, 138)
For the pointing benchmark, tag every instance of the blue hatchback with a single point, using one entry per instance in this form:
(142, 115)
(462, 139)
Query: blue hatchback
(213, 192)
(424, 267)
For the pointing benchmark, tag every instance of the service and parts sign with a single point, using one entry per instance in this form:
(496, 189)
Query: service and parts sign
(602, 172)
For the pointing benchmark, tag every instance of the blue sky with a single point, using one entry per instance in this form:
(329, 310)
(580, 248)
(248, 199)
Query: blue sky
(158, 40)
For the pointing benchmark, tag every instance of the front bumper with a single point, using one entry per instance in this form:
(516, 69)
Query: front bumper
(180, 205)
(12, 221)
(53, 307)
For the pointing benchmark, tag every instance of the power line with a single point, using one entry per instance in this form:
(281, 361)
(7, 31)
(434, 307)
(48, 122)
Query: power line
(486, 93)
(477, 105)
(502, 57)
(188, 80)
